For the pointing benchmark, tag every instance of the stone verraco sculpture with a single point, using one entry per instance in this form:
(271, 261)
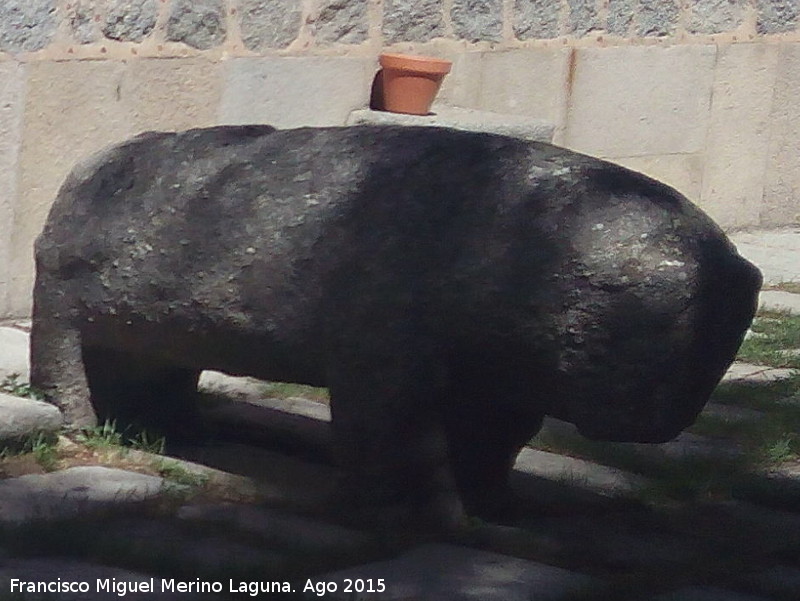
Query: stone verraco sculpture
(450, 288)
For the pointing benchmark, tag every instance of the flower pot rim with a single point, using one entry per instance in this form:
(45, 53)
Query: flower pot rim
(415, 63)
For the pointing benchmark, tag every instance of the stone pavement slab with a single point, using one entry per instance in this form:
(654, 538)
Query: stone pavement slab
(779, 300)
(440, 572)
(578, 472)
(706, 593)
(21, 418)
(747, 372)
(278, 528)
(780, 580)
(75, 490)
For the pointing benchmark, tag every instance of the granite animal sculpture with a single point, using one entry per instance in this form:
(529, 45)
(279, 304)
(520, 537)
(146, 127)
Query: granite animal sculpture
(450, 288)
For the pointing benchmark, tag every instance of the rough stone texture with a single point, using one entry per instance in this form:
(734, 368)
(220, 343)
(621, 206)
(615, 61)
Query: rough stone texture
(451, 573)
(12, 110)
(582, 17)
(269, 23)
(275, 90)
(81, 15)
(620, 17)
(716, 16)
(412, 20)
(525, 128)
(71, 491)
(536, 19)
(14, 353)
(198, 23)
(343, 22)
(739, 130)
(316, 256)
(478, 20)
(782, 177)
(657, 17)
(776, 16)
(613, 115)
(21, 418)
(26, 25)
(130, 20)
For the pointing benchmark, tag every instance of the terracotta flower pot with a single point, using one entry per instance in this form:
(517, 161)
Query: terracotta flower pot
(410, 83)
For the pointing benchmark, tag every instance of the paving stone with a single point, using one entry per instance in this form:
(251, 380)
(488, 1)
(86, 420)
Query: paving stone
(739, 526)
(781, 581)
(74, 490)
(52, 569)
(780, 301)
(412, 20)
(21, 418)
(269, 23)
(478, 20)
(281, 480)
(705, 593)
(206, 552)
(278, 528)
(716, 16)
(756, 374)
(14, 353)
(776, 16)
(617, 541)
(130, 20)
(452, 573)
(198, 23)
(732, 413)
(342, 22)
(657, 17)
(518, 126)
(585, 474)
(27, 25)
(536, 20)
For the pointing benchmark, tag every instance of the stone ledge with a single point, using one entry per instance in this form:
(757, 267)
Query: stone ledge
(518, 126)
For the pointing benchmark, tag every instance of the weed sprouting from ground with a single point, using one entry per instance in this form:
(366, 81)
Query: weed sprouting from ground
(775, 337)
(179, 474)
(285, 390)
(12, 385)
(41, 445)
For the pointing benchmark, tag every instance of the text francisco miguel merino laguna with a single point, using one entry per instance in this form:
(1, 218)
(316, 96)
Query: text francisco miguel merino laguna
(169, 585)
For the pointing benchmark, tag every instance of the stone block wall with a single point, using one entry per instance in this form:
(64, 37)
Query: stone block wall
(699, 93)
